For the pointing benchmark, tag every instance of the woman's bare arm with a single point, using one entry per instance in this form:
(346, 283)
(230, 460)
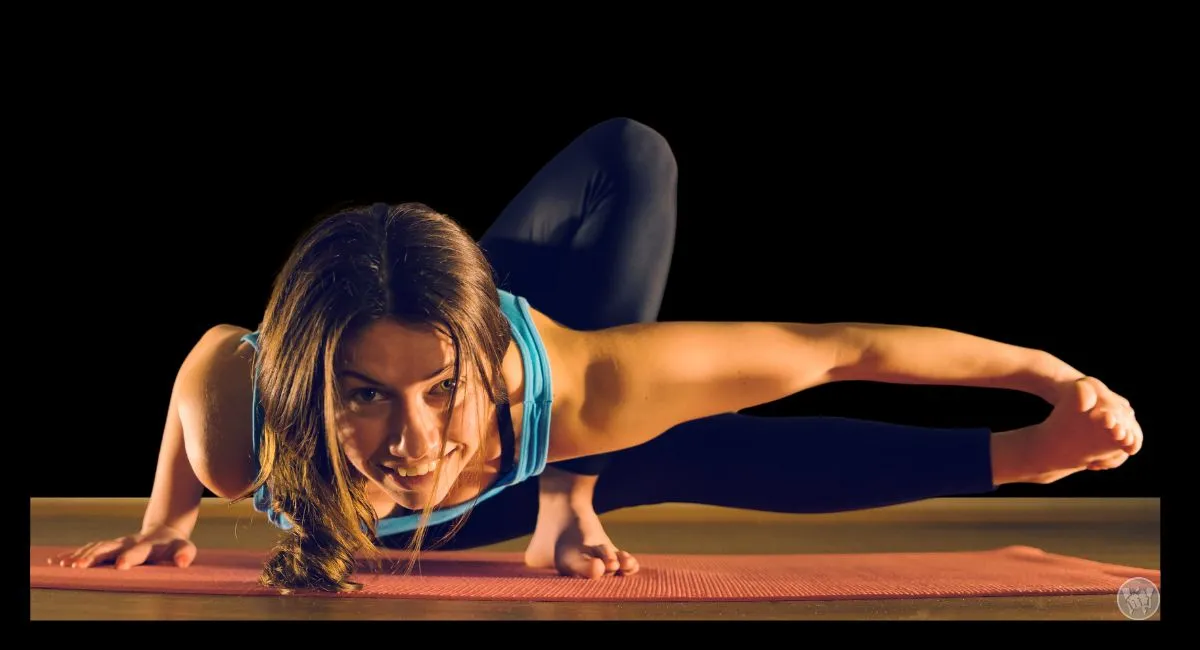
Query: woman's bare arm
(216, 407)
(206, 441)
(637, 381)
(175, 498)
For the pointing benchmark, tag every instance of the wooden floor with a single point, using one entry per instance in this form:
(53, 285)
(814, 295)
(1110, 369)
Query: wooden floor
(1123, 531)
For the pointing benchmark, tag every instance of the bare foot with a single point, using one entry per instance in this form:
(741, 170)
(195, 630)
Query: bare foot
(1090, 428)
(539, 554)
(572, 540)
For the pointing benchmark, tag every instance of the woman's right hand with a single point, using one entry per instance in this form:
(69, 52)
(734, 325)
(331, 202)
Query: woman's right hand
(157, 545)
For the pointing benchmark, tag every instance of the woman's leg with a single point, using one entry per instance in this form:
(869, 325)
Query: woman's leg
(797, 465)
(588, 241)
(775, 464)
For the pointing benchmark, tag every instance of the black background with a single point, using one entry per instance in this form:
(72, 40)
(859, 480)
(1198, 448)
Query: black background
(1007, 209)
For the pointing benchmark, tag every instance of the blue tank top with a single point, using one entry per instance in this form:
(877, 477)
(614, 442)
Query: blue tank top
(535, 425)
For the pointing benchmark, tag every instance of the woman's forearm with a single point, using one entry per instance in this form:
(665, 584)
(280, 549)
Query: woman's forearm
(928, 355)
(175, 498)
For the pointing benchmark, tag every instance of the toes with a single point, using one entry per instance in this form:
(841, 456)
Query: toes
(1103, 417)
(1120, 433)
(1131, 432)
(581, 564)
(592, 568)
(1135, 439)
(1116, 423)
(1085, 395)
(607, 554)
(1109, 462)
(629, 564)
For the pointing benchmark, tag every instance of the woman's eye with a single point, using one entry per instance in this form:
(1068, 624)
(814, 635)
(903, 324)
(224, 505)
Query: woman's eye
(447, 385)
(364, 395)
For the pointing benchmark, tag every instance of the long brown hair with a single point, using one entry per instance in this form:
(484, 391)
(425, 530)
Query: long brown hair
(406, 262)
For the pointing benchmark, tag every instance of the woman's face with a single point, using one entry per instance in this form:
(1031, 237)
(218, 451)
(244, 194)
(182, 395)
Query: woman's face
(396, 381)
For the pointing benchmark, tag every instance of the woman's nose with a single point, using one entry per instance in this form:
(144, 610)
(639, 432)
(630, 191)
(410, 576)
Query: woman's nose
(416, 438)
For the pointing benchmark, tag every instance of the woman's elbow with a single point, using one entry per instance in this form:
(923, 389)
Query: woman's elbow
(220, 462)
(224, 481)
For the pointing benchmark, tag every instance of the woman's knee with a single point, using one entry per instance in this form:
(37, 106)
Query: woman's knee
(637, 147)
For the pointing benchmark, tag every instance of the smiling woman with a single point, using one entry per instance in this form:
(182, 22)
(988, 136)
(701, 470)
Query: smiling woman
(402, 383)
(391, 428)
(366, 373)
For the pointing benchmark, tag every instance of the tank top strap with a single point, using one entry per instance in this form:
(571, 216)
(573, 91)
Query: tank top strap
(508, 436)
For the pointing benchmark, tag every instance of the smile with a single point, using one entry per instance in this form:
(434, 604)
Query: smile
(419, 470)
(412, 475)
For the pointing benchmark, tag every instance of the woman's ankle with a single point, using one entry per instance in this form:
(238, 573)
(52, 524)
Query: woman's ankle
(1020, 456)
(1011, 456)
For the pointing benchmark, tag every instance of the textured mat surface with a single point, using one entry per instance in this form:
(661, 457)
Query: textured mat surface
(1009, 571)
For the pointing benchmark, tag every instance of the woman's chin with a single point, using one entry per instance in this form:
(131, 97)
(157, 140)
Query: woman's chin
(418, 499)
(414, 492)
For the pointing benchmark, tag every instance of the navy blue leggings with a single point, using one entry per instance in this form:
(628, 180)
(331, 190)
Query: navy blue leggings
(589, 242)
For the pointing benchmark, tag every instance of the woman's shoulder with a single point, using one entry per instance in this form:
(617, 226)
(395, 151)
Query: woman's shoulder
(224, 352)
(566, 348)
(569, 355)
(222, 348)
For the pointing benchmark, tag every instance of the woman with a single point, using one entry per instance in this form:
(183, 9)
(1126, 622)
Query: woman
(408, 384)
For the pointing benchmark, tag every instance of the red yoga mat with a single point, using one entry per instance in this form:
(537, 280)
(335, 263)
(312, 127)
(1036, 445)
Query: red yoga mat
(470, 575)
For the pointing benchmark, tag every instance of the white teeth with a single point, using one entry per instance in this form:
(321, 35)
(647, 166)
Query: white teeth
(421, 470)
